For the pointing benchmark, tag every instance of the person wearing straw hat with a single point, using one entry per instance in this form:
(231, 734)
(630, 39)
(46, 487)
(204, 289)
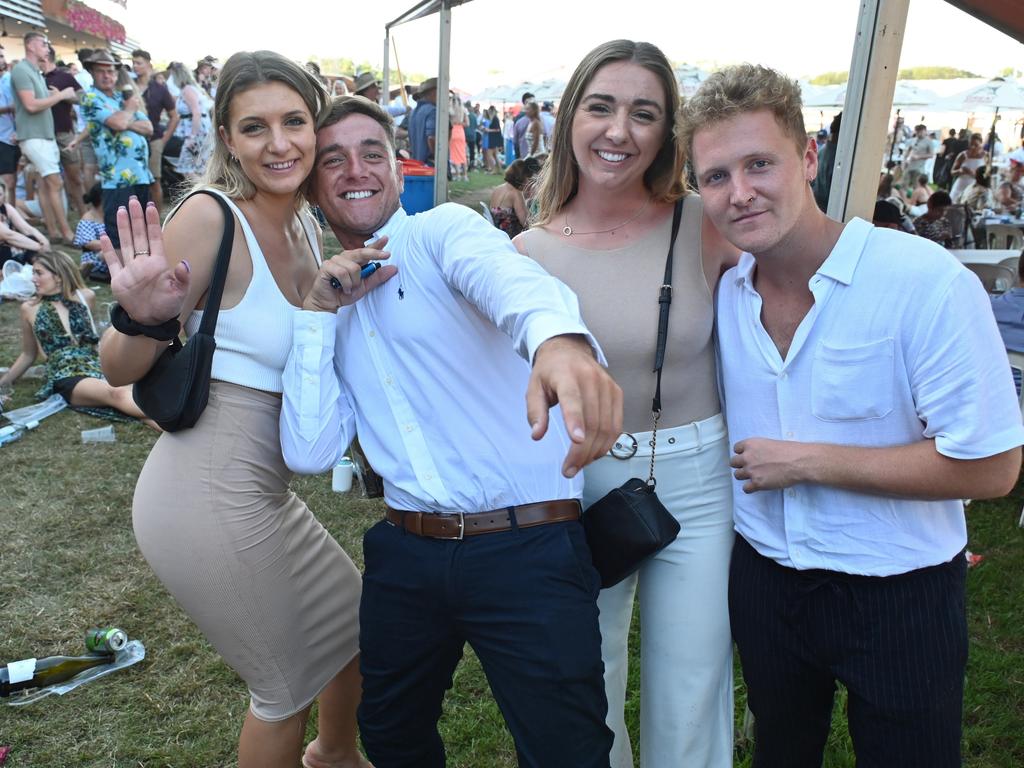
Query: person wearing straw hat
(120, 129)
(368, 86)
(423, 122)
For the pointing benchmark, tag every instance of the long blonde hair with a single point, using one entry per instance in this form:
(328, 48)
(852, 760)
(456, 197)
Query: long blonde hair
(243, 71)
(559, 179)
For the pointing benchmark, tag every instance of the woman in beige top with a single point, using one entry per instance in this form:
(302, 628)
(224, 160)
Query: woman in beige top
(606, 201)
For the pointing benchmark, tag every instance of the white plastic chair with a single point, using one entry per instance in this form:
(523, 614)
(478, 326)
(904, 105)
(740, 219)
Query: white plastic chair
(1001, 236)
(995, 277)
(487, 213)
(1013, 262)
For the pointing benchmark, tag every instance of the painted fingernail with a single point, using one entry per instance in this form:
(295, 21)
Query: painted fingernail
(121, 208)
(187, 267)
(571, 472)
(134, 197)
(579, 433)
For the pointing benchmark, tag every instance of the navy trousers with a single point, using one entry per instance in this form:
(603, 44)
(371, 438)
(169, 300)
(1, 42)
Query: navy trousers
(898, 643)
(526, 602)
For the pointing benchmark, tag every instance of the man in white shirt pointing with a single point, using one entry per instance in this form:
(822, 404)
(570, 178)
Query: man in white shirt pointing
(867, 392)
(482, 541)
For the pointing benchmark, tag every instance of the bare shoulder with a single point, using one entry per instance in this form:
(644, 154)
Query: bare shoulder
(194, 231)
(519, 241)
(89, 296)
(28, 309)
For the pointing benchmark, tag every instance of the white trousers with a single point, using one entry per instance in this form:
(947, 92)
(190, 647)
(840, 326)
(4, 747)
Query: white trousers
(686, 675)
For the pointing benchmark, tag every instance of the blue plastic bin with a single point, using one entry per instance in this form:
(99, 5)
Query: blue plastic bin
(418, 194)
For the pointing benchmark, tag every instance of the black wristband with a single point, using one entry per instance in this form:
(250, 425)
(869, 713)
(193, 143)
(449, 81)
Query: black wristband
(123, 323)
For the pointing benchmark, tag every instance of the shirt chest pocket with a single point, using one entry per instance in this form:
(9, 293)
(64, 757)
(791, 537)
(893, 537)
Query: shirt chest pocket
(853, 383)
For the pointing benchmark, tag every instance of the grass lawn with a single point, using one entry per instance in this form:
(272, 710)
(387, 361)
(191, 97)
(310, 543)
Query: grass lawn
(69, 561)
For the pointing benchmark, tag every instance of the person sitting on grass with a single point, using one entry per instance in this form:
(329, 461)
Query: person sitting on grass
(87, 236)
(19, 240)
(58, 323)
(508, 200)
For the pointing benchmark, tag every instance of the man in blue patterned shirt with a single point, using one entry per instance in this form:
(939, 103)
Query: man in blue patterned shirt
(119, 128)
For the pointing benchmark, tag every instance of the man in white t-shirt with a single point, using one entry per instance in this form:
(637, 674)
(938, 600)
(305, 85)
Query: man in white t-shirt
(867, 393)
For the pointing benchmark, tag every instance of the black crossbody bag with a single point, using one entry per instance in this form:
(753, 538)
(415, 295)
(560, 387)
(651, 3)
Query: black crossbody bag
(176, 389)
(629, 523)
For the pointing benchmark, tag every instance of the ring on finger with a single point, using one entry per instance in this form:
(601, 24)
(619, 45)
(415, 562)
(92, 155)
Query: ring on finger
(142, 253)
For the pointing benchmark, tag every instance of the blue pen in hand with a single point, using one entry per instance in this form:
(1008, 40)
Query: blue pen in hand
(364, 273)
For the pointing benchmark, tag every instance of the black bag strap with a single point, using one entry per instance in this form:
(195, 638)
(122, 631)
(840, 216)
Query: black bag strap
(220, 270)
(664, 302)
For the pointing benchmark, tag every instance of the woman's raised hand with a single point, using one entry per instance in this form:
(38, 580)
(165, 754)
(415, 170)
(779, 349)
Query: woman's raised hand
(144, 285)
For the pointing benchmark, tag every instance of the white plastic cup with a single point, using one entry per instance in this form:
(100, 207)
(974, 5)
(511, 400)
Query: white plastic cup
(341, 476)
(100, 435)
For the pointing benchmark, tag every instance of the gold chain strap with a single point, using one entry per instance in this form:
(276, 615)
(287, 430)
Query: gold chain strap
(654, 441)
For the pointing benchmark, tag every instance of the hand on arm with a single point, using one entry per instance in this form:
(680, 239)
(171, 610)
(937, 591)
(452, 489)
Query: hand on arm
(916, 470)
(566, 373)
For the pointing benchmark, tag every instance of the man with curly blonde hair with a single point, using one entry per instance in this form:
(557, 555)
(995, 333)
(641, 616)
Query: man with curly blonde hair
(867, 392)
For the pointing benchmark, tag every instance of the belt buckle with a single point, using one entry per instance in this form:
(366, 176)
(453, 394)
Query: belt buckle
(462, 527)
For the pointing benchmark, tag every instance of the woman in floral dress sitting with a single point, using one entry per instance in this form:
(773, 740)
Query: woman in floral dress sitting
(58, 323)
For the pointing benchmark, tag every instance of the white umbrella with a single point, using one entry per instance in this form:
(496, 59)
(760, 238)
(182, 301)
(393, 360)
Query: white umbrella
(998, 93)
(689, 78)
(905, 95)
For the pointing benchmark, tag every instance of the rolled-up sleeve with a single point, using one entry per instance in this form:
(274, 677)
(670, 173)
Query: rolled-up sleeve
(317, 420)
(961, 376)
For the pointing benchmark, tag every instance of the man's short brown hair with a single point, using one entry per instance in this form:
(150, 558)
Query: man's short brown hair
(745, 88)
(341, 107)
(138, 53)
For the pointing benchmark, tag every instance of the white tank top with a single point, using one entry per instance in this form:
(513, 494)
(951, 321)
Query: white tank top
(254, 337)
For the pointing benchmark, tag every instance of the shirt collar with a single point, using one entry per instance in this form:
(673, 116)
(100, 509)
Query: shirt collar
(392, 226)
(840, 264)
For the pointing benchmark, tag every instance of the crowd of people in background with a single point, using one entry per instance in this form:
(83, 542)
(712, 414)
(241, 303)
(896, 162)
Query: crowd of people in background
(783, 498)
(80, 137)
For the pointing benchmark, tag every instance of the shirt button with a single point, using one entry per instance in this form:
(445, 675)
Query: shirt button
(789, 434)
(372, 334)
(309, 379)
(408, 427)
(428, 476)
(387, 380)
(791, 493)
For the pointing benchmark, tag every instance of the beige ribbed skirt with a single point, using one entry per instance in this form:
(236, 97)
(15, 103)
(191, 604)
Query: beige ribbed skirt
(269, 587)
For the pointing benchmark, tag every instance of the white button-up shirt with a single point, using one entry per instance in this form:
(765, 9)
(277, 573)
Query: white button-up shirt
(899, 346)
(424, 371)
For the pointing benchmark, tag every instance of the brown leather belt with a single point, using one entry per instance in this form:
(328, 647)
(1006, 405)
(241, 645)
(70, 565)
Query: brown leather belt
(456, 525)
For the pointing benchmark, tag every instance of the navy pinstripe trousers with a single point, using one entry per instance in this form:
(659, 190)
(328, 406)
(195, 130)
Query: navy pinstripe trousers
(898, 644)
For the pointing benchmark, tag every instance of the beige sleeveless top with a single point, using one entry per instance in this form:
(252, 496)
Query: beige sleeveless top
(618, 293)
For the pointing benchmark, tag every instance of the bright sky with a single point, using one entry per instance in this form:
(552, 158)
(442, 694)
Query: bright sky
(546, 38)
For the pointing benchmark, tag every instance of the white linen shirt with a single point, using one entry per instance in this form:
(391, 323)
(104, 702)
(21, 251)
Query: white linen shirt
(899, 346)
(423, 369)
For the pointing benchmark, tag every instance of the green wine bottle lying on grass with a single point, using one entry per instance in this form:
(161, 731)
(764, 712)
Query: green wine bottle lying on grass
(51, 670)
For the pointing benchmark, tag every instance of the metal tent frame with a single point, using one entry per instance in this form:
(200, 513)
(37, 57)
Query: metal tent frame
(873, 71)
(444, 9)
